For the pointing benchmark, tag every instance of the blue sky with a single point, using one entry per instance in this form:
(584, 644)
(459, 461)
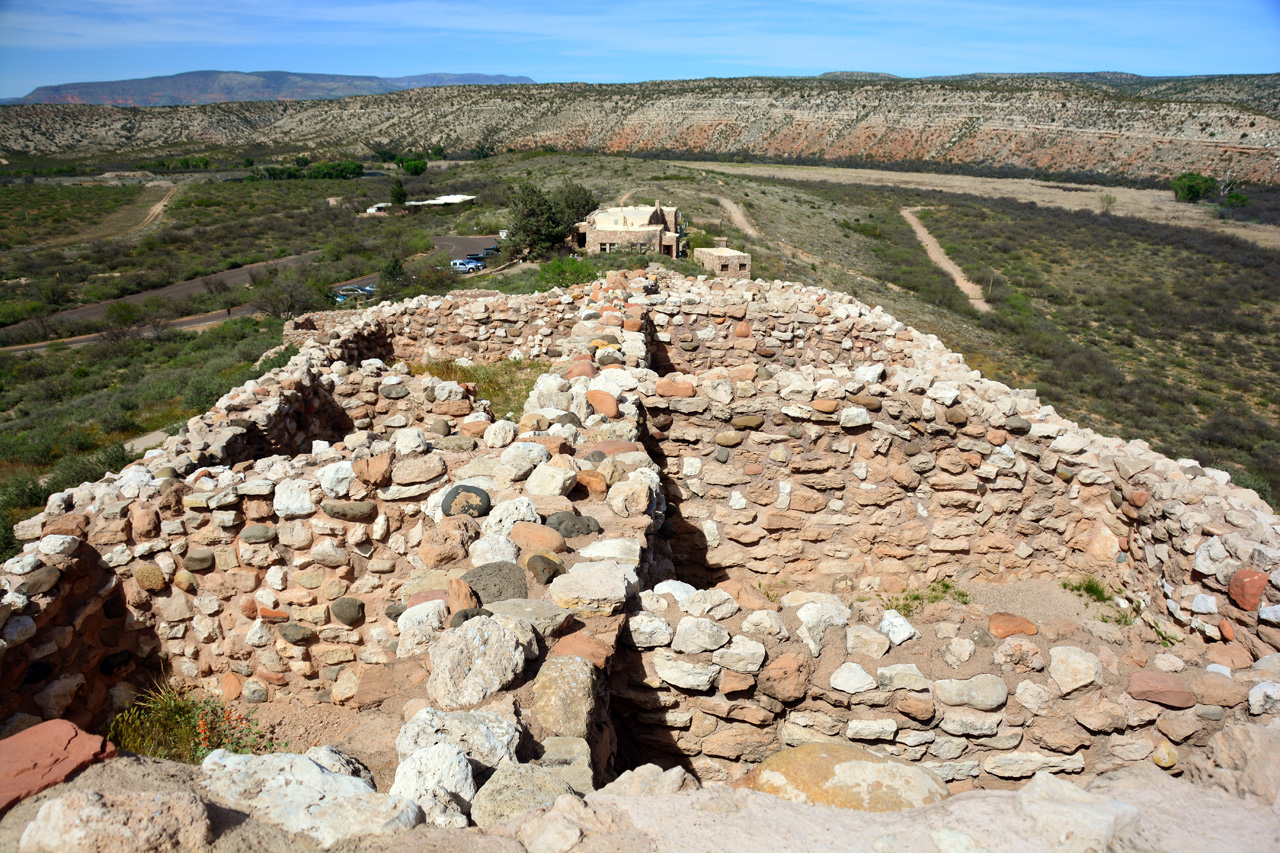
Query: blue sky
(64, 41)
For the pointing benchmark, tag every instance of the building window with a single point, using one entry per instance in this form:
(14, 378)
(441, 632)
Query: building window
(724, 268)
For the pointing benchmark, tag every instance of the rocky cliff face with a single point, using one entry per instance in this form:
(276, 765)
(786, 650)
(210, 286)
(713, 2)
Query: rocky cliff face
(1056, 127)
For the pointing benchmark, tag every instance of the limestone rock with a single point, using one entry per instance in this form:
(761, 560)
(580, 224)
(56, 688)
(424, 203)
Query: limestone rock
(486, 738)
(985, 692)
(896, 627)
(470, 663)
(598, 591)
(847, 776)
(646, 631)
(1019, 765)
(1071, 819)
(686, 674)
(694, 635)
(564, 696)
(297, 794)
(1073, 669)
(419, 626)
(513, 790)
(441, 766)
(865, 640)
(89, 822)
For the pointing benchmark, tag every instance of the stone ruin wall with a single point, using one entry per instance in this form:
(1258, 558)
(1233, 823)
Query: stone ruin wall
(818, 459)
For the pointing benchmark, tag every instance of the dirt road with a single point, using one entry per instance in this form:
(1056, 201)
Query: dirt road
(1154, 205)
(738, 217)
(940, 257)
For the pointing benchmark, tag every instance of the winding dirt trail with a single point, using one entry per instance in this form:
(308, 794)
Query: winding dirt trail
(156, 209)
(939, 257)
(738, 217)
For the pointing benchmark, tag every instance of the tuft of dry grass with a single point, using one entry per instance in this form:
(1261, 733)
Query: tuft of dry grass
(505, 384)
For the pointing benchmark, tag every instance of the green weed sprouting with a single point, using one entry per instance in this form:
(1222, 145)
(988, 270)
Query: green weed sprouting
(169, 723)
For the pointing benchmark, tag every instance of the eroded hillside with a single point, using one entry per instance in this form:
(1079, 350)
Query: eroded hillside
(1064, 127)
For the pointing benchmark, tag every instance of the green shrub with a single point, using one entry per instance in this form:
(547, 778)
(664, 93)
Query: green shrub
(170, 723)
(564, 272)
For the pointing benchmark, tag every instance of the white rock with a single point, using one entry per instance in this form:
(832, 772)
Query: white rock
(957, 650)
(297, 794)
(1264, 698)
(1073, 669)
(851, 678)
(59, 546)
(765, 622)
(647, 631)
(500, 434)
(683, 673)
(493, 549)
(472, 662)
(815, 618)
(715, 603)
(486, 738)
(901, 676)
(1061, 812)
(336, 479)
(441, 765)
(1018, 765)
(896, 627)
(865, 640)
(966, 722)
(871, 730)
(741, 655)
(420, 626)
(410, 441)
(985, 692)
(695, 635)
(1034, 697)
(624, 552)
(292, 499)
(504, 516)
(522, 457)
(679, 590)
(548, 479)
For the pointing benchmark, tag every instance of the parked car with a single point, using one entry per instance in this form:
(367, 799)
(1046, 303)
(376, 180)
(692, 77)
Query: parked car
(490, 252)
(478, 257)
(465, 265)
(355, 290)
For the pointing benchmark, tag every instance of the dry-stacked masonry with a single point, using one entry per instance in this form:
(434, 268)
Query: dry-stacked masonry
(696, 529)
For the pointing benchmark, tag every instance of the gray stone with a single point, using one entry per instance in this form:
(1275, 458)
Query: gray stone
(569, 524)
(545, 618)
(466, 500)
(497, 582)
(295, 634)
(598, 591)
(471, 663)
(254, 534)
(348, 611)
(364, 511)
(515, 789)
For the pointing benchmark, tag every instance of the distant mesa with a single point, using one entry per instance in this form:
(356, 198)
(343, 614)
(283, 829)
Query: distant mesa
(211, 87)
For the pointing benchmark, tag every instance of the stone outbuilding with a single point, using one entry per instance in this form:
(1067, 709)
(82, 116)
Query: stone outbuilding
(723, 261)
(651, 230)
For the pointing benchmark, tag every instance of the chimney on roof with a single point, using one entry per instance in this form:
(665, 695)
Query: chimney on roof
(721, 242)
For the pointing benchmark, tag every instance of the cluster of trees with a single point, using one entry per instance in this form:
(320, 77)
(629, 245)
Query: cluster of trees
(342, 170)
(1193, 186)
(181, 164)
(411, 163)
(540, 222)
